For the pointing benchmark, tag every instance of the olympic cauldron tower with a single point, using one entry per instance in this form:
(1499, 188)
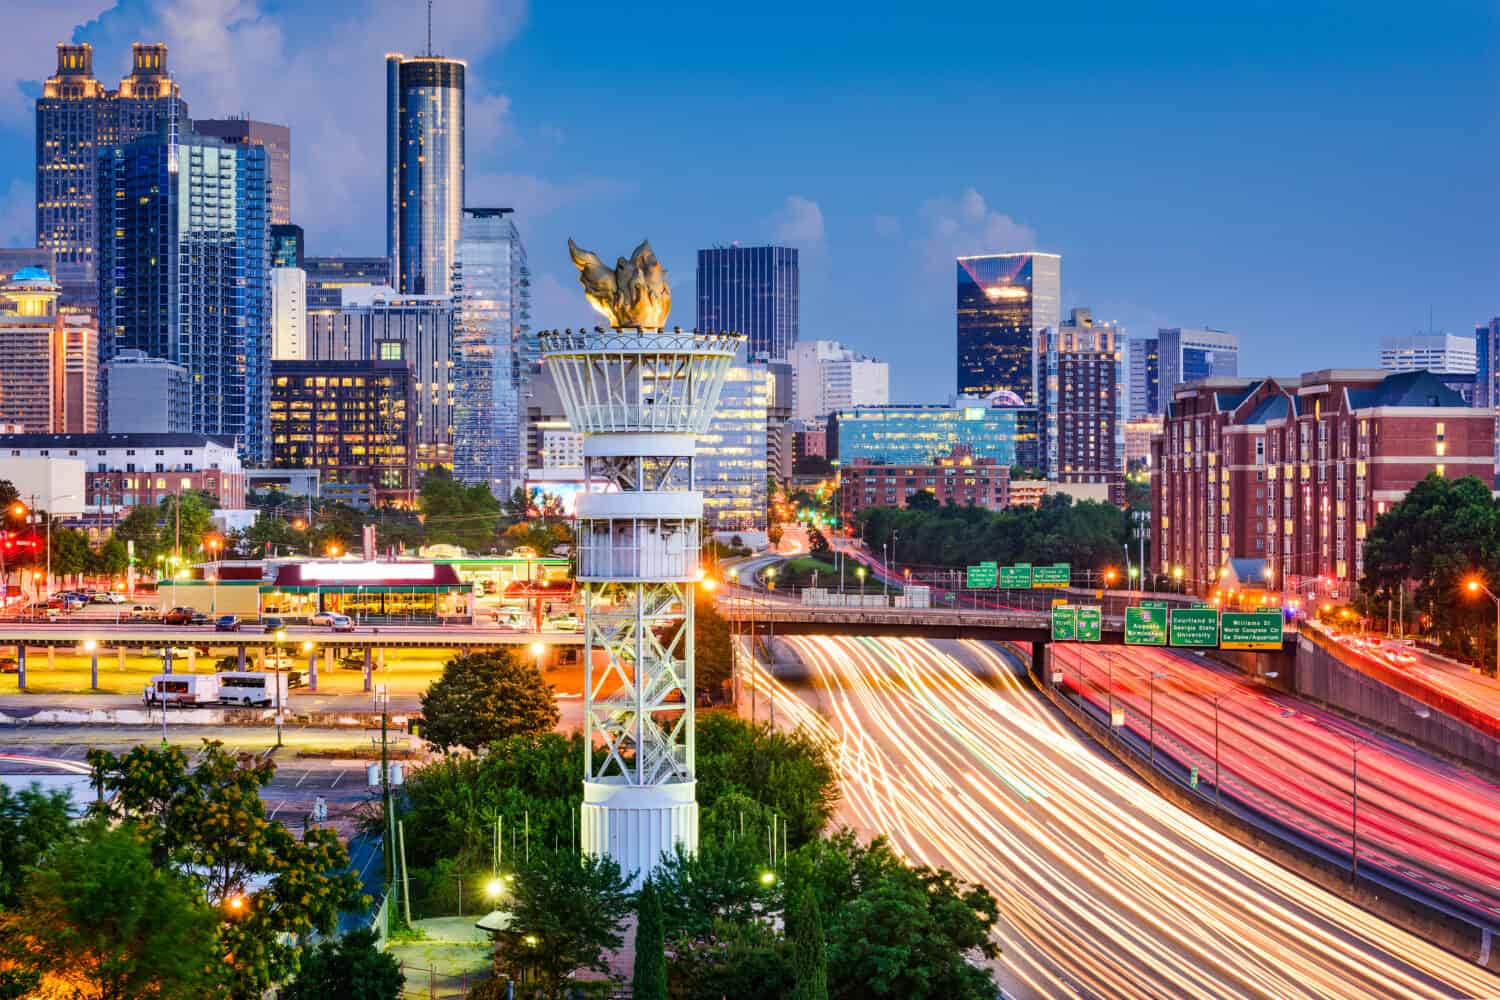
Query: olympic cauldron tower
(639, 395)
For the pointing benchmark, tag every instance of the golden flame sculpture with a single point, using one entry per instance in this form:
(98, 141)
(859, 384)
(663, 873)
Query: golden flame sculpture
(634, 294)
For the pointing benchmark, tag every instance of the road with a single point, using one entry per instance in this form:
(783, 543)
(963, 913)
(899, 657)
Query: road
(1430, 825)
(1105, 889)
(1480, 692)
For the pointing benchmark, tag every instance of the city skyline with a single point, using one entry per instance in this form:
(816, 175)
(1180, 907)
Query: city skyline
(1262, 154)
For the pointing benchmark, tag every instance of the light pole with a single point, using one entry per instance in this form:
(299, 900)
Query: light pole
(280, 636)
(91, 647)
(1475, 586)
(1151, 701)
(213, 544)
(1354, 813)
(1177, 579)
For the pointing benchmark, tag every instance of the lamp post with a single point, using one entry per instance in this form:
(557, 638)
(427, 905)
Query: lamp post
(1476, 586)
(91, 647)
(1177, 579)
(280, 636)
(213, 544)
(1151, 711)
(1354, 813)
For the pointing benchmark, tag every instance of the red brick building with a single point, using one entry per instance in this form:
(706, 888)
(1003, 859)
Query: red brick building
(1294, 472)
(960, 479)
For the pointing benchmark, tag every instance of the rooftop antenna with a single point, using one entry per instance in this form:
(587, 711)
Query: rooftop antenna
(429, 27)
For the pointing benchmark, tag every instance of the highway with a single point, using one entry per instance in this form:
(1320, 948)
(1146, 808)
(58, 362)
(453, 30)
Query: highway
(1105, 890)
(1430, 825)
(1479, 692)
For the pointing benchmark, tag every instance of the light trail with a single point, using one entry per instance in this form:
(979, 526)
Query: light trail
(1105, 889)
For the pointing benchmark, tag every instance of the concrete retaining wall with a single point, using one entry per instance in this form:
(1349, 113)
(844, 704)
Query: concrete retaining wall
(190, 717)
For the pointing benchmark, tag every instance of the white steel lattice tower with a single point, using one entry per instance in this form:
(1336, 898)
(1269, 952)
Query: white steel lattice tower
(640, 399)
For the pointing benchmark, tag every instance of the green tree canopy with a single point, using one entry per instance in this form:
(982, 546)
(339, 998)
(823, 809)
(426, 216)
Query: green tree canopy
(566, 914)
(789, 773)
(649, 981)
(488, 696)
(350, 968)
(99, 920)
(456, 514)
(31, 822)
(809, 949)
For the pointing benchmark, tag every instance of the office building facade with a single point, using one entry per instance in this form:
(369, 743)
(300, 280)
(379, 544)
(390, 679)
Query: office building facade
(125, 470)
(31, 352)
(730, 461)
(755, 291)
(1004, 302)
(79, 393)
(327, 277)
(829, 376)
(277, 140)
(920, 435)
(492, 293)
(140, 394)
(350, 421)
(1294, 472)
(958, 479)
(288, 314)
(288, 245)
(186, 242)
(378, 324)
(425, 170)
(1145, 371)
(1082, 406)
(76, 119)
(1440, 353)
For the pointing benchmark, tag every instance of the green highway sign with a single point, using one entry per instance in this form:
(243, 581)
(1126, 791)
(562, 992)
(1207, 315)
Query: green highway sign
(1146, 626)
(1017, 577)
(1193, 778)
(1064, 624)
(1153, 604)
(1056, 575)
(1090, 623)
(981, 577)
(1193, 627)
(1250, 630)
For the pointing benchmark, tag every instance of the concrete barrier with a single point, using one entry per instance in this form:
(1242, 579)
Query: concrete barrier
(192, 717)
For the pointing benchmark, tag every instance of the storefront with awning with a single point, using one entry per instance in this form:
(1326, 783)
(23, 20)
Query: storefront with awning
(374, 592)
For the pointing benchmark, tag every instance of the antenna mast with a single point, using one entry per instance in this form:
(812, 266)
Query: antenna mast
(429, 27)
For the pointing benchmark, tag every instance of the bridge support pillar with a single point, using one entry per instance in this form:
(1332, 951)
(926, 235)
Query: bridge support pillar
(120, 657)
(312, 669)
(329, 659)
(51, 658)
(260, 658)
(21, 668)
(367, 667)
(192, 660)
(240, 655)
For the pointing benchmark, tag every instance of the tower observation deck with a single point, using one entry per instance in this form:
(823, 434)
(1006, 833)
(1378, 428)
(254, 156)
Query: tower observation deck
(639, 398)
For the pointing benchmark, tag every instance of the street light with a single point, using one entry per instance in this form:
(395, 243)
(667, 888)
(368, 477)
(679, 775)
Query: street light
(1177, 578)
(1476, 586)
(91, 647)
(280, 638)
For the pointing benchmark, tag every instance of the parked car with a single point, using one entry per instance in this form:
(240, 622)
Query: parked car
(341, 623)
(106, 597)
(227, 623)
(564, 623)
(199, 618)
(273, 624)
(178, 616)
(8, 665)
(145, 613)
(321, 618)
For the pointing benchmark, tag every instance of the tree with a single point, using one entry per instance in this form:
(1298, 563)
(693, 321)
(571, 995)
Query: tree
(649, 981)
(713, 654)
(112, 558)
(100, 921)
(70, 551)
(566, 913)
(787, 772)
(31, 822)
(809, 950)
(922, 500)
(209, 823)
(488, 696)
(351, 968)
(456, 514)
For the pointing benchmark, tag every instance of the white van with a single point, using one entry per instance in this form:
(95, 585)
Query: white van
(182, 689)
(251, 687)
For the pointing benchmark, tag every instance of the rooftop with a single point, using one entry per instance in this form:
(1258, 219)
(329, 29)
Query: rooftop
(113, 441)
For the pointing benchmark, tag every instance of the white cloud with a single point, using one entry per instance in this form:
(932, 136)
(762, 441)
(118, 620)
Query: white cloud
(965, 225)
(800, 221)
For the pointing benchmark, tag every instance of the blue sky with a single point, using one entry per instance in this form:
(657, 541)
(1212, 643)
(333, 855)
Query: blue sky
(1312, 178)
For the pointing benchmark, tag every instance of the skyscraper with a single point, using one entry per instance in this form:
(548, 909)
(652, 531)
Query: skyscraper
(829, 376)
(1004, 301)
(730, 464)
(1145, 369)
(288, 314)
(1083, 422)
(425, 170)
(288, 245)
(493, 296)
(1185, 355)
(184, 236)
(277, 139)
(76, 118)
(31, 352)
(754, 291)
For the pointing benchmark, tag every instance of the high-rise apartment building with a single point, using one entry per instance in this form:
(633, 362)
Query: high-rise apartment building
(351, 420)
(288, 314)
(1005, 301)
(79, 404)
(1293, 473)
(492, 292)
(145, 395)
(277, 140)
(184, 236)
(31, 352)
(76, 119)
(1083, 397)
(754, 291)
(829, 376)
(425, 170)
(381, 325)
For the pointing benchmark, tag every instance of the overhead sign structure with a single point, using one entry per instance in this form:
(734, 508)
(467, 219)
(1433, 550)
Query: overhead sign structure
(1146, 626)
(981, 577)
(1056, 575)
(1017, 577)
(1077, 624)
(1193, 627)
(1250, 630)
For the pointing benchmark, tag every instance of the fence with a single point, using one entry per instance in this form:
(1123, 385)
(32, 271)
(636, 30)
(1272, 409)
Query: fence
(431, 983)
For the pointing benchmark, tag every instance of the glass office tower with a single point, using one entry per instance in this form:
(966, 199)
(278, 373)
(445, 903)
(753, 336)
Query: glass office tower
(184, 235)
(1004, 301)
(920, 435)
(754, 291)
(425, 168)
(730, 462)
(492, 290)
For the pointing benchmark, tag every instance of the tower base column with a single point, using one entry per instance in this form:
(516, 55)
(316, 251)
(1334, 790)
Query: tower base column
(637, 824)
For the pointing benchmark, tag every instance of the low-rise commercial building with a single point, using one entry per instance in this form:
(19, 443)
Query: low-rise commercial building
(959, 479)
(1296, 471)
(124, 470)
(996, 427)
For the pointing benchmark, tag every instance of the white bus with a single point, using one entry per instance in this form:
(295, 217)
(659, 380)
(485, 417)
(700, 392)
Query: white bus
(251, 687)
(182, 689)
